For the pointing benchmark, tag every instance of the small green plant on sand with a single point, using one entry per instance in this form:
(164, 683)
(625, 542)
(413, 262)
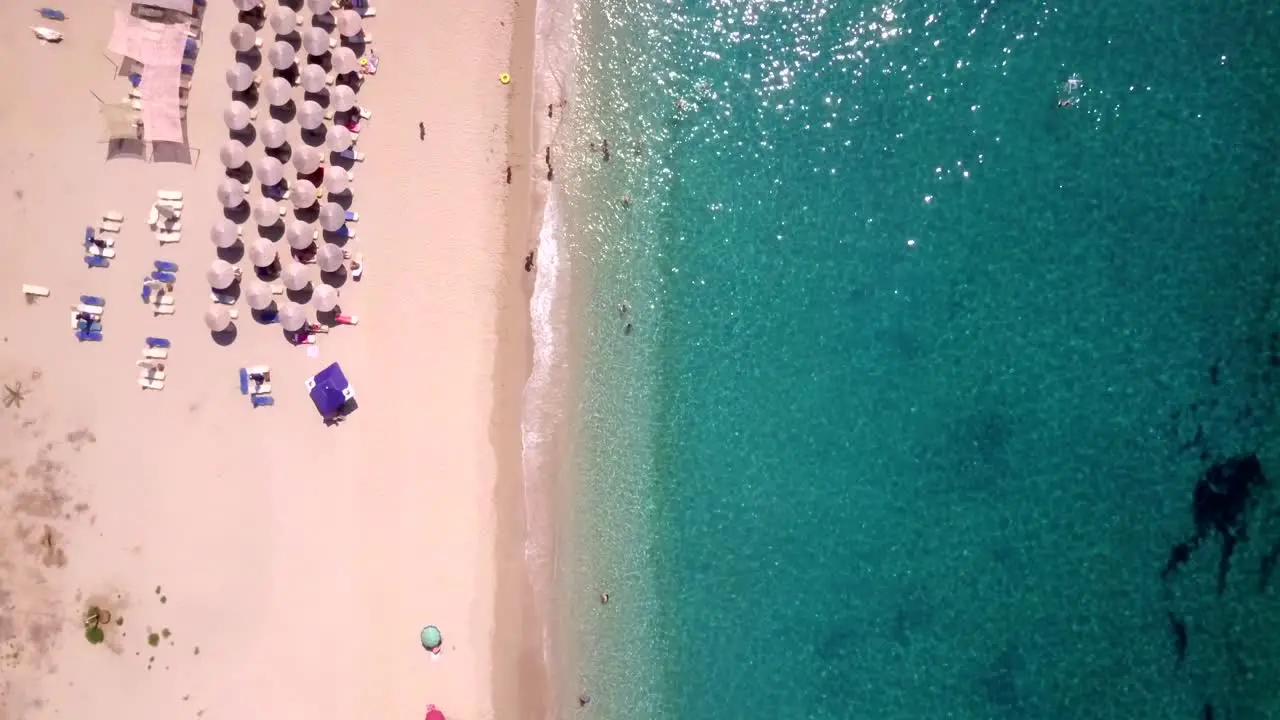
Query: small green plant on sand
(94, 617)
(94, 635)
(153, 639)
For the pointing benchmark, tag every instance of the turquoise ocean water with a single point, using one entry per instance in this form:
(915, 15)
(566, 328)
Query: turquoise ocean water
(918, 367)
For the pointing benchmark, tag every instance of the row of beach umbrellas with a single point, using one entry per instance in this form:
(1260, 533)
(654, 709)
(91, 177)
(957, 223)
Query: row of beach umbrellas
(285, 22)
(222, 275)
(319, 8)
(313, 78)
(292, 316)
(234, 154)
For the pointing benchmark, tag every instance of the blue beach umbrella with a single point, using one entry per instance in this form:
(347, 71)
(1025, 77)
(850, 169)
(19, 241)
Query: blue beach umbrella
(330, 391)
(431, 639)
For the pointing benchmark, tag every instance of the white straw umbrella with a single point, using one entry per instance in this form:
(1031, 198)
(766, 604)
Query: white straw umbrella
(319, 7)
(237, 115)
(283, 20)
(343, 97)
(269, 170)
(281, 55)
(292, 317)
(349, 24)
(332, 217)
(295, 276)
(224, 233)
(273, 133)
(345, 60)
(303, 194)
(299, 235)
(230, 193)
(221, 274)
(261, 252)
(329, 257)
(325, 298)
(315, 41)
(239, 77)
(338, 138)
(306, 160)
(337, 179)
(266, 212)
(247, 5)
(243, 38)
(232, 154)
(258, 295)
(313, 78)
(279, 92)
(310, 115)
(217, 318)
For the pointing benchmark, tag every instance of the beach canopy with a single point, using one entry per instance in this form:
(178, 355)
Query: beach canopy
(345, 60)
(329, 257)
(281, 55)
(319, 7)
(239, 77)
(313, 78)
(262, 253)
(273, 134)
(283, 20)
(299, 235)
(325, 298)
(243, 38)
(279, 92)
(269, 170)
(230, 193)
(224, 233)
(295, 277)
(233, 154)
(315, 41)
(332, 393)
(258, 295)
(246, 5)
(217, 318)
(349, 24)
(303, 194)
(306, 160)
(293, 316)
(237, 115)
(266, 212)
(337, 179)
(310, 115)
(338, 138)
(343, 97)
(221, 274)
(332, 216)
(431, 639)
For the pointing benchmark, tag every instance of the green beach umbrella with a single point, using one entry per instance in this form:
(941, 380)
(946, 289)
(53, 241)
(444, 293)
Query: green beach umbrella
(431, 639)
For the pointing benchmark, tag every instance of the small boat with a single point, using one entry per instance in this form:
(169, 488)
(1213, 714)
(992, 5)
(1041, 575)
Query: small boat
(47, 35)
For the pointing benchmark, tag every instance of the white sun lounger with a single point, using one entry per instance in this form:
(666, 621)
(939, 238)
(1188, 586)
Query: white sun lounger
(163, 309)
(258, 369)
(155, 353)
(152, 374)
(151, 384)
(113, 216)
(277, 289)
(105, 252)
(35, 290)
(169, 195)
(109, 226)
(366, 114)
(166, 238)
(222, 298)
(163, 299)
(90, 309)
(261, 389)
(148, 364)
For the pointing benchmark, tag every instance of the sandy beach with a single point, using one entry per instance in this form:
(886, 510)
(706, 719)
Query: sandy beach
(254, 561)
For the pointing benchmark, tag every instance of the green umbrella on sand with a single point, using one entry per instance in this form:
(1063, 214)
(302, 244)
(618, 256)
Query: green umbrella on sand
(431, 639)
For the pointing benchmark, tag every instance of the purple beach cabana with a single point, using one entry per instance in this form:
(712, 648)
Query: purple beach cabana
(331, 392)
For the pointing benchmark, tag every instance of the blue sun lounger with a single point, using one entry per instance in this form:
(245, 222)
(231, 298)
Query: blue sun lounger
(135, 79)
(262, 400)
(88, 326)
(93, 300)
(88, 336)
(52, 14)
(191, 50)
(164, 277)
(96, 261)
(188, 69)
(88, 235)
(166, 266)
(244, 381)
(146, 293)
(156, 342)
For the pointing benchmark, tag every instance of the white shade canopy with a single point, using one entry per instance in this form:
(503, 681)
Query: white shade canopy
(299, 235)
(281, 55)
(292, 317)
(310, 115)
(269, 170)
(332, 217)
(237, 115)
(325, 297)
(329, 257)
(306, 160)
(303, 194)
(266, 212)
(283, 20)
(295, 276)
(337, 179)
(230, 193)
(221, 274)
(258, 295)
(232, 154)
(239, 77)
(315, 41)
(246, 5)
(273, 134)
(217, 318)
(261, 252)
(345, 60)
(243, 38)
(349, 24)
(342, 97)
(313, 78)
(224, 233)
(279, 92)
(319, 7)
(338, 138)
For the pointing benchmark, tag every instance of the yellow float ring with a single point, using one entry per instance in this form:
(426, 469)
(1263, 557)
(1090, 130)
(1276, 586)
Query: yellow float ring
(504, 78)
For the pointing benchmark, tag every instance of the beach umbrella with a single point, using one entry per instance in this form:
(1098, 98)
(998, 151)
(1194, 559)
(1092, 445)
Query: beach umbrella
(224, 233)
(319, 7)
(279, 92)
(217, 318)
(269, 170)
(325, 298)
(266, 212)
(230, 193)
(345, 60)
(293, 316)
(243, 38)
(337, 180)
(310, 115)
(349, 24)
(221, 274)
(431, 638)
(313, 78)
(295, 277)
(332, 217)
(237, 115)
(258, 295)
(274, 134)
(342, 97)
(315, 41)
(262, 253)
(331, 391)
(338, 138)
(281, 55)
(329, 257)
(299, 235)
(303, 195)
(239, 77)
(306, 160)
(247, 5)
(232, 154)
(283, 21)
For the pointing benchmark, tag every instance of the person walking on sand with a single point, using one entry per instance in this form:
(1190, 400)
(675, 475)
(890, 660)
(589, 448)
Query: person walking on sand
(422, 131)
